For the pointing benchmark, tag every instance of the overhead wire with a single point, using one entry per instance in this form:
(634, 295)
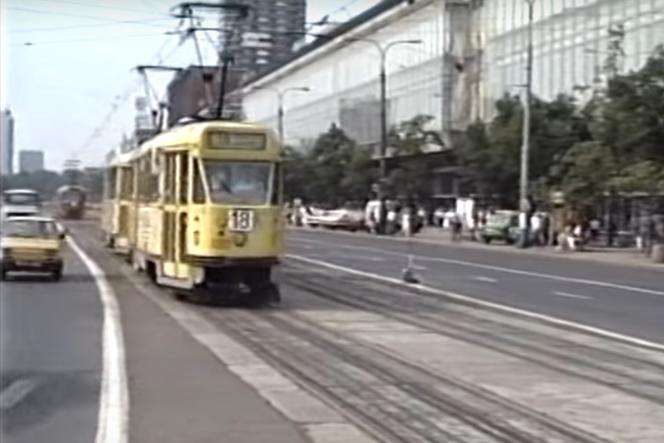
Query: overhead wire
(158, 58)
(87, 17)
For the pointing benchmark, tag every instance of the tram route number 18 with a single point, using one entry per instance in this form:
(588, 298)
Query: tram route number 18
(241, 220)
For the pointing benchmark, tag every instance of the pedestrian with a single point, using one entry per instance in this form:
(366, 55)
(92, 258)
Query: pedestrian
(595, 226)
(407, 221)
(536, 229)
(456, 226)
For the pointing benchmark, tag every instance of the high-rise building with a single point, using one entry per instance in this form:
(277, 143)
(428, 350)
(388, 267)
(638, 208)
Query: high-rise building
(7, 143)
(30, 161)
(265, 39)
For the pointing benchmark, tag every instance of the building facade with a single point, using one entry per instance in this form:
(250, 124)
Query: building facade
(7, 143)
(30, 161)
(264, 39)
(471, 52)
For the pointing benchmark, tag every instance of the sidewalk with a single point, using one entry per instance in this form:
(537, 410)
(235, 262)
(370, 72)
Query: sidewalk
(618, 256)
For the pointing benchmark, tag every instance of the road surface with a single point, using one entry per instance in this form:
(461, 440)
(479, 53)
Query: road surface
(494, 347)
(622, 299)
(50, 365)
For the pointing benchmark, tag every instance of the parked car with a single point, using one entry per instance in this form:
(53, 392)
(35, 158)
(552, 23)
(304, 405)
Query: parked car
(347, 219)
(501, 225)
(33, 244)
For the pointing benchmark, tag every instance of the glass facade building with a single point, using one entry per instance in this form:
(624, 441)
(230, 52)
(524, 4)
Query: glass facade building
(471, 53)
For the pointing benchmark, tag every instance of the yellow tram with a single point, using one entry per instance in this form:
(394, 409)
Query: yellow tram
(199, 209)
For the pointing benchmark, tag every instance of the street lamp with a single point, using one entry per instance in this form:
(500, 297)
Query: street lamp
(524, 204)
(383, 50)
(281, 93)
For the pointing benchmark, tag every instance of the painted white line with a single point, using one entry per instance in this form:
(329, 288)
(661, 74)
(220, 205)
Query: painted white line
(582, 281)
(16, 392)
(113, 417)
(467, 299)
(297, 404)
(484, 279)
(570, 295)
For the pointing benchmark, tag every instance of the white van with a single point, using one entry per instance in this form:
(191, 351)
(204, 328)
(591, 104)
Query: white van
(20, 203)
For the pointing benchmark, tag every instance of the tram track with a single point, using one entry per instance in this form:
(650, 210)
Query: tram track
(446, 409)
(603, 366)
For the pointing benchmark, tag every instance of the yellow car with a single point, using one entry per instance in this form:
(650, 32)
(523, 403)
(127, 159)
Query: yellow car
(31, 244)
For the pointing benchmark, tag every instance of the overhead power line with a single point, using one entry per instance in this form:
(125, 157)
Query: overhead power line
(144, 21)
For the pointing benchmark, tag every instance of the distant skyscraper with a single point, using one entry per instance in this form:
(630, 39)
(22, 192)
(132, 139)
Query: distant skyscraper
(266, 37)
(7, 143)
(30, 161)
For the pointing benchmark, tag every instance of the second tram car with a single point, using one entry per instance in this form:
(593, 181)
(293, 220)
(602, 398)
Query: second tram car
(71, 201)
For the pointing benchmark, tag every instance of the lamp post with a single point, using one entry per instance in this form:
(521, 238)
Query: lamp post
(383, 50)
(524, 204)
(281, 93)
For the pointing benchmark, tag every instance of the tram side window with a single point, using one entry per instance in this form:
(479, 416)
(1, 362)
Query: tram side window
(110, 182)
(199, 191)
(127, 184)
(169, 186)
(277, 183)
(184, 178)
(148, 182)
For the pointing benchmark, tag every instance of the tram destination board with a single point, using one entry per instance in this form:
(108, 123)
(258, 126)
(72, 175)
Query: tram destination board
(249, 141)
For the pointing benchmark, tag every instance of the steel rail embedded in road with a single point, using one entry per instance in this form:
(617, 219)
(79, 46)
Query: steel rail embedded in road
(618, 369)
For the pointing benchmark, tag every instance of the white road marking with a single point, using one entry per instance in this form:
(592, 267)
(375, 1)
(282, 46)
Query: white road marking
(484, 279)
(570, 295)
(113, 417)
(314, 415)
(582, 281)
(468, 299)
(16, 392)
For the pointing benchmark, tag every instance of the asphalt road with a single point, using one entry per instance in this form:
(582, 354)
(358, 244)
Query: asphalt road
(622, 299)
(50, 365)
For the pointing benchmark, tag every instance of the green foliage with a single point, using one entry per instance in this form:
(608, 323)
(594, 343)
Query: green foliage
(333, 171)
(627, 125)
(491, 158)
(410, 177)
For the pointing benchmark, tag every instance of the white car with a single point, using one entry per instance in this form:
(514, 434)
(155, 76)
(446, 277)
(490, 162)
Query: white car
(348, 219)
(20, 203)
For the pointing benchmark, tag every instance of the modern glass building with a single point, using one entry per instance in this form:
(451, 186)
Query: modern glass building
(470, 53)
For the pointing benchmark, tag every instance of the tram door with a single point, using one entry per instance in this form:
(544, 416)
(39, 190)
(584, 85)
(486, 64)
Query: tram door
(176, 200)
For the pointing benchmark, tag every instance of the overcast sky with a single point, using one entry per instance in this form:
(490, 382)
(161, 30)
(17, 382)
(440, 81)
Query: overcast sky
(67, 67)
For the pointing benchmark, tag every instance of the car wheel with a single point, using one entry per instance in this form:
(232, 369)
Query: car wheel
(57, 275)
(3, 275)
(486, 240)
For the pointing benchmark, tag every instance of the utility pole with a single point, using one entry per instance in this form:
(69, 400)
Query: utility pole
(524, 203)
(184, 11)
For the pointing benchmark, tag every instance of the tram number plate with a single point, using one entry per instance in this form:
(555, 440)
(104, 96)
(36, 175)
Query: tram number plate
(241, 220)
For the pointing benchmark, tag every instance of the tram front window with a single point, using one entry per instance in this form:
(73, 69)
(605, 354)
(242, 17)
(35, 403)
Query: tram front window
(245, 183)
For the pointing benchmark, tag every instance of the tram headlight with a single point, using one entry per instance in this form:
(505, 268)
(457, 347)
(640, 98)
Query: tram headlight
(239, 239)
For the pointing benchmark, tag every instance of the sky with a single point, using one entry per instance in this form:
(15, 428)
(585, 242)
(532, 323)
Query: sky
(68, 67)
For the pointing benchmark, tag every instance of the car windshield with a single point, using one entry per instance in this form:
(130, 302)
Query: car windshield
(21, 198)
(499, 219)
(238, 182)
(29, 228)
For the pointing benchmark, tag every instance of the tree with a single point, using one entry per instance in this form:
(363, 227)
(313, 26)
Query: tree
(491, 158)
(409, 140)
(332, 172)
(627, 125)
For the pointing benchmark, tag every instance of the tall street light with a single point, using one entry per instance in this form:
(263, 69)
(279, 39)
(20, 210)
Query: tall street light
(383, 50)
(281, 93)
(524, 203)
